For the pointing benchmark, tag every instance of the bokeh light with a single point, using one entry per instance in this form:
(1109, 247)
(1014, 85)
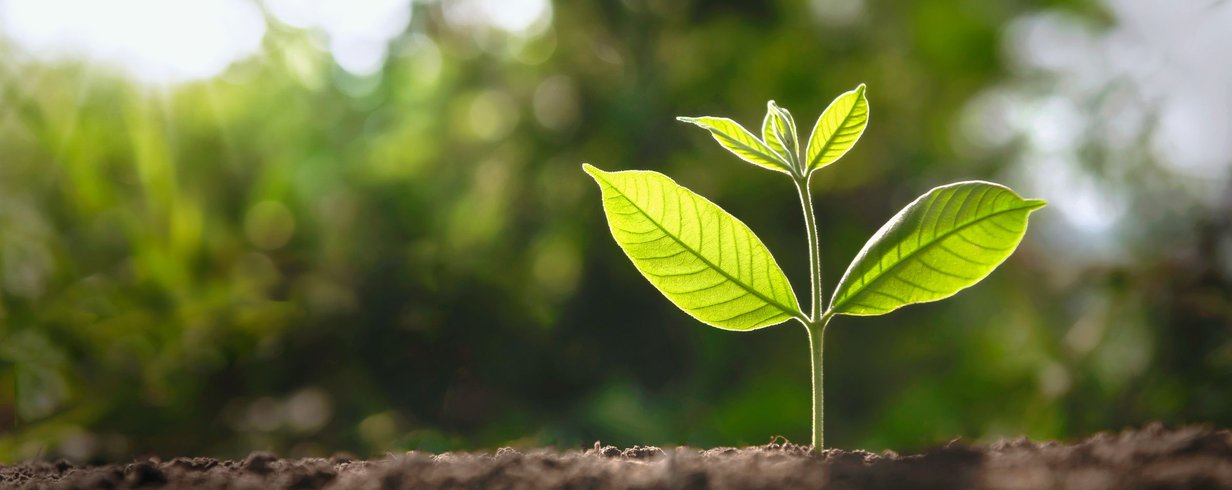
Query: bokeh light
(151, 40)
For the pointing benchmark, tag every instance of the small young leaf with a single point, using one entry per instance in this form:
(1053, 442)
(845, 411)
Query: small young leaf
(838, 128)
(701, 258)
(941, 243)
(778, 130)
(740, 141)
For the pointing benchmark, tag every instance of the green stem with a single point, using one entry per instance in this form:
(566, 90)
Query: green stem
(816, 338)
(810, 229)
(817, 320)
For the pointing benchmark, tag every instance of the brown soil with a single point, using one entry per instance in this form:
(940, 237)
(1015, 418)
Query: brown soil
(1153, 457)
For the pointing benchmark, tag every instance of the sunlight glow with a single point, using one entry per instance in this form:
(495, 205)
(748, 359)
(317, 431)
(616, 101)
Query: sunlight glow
(153, 40)
(1164, 64)
(1148, 90)
(358, 32)
(523, 17)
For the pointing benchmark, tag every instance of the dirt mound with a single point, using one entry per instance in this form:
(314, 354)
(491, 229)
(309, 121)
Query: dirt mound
(1153, 457)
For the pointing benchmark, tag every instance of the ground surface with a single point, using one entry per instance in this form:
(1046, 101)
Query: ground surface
(1153, 457)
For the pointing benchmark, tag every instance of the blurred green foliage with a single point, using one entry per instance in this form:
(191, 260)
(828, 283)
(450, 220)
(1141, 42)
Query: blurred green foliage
(290, 257)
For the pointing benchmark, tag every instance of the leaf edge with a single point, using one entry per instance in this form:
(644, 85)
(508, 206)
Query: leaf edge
(793, 313)
(1029, 205)
(812, 166)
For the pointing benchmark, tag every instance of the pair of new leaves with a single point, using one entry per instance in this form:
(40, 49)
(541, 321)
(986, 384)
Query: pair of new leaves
(836, 131)
(712, 266)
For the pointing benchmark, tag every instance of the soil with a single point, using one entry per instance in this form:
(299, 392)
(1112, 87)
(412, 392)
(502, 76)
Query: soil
(1152, 457)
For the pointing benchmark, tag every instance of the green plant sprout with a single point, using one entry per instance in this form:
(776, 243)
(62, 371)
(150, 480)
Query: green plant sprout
(712, 266)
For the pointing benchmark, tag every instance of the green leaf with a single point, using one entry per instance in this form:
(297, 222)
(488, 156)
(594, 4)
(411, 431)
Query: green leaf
(701, 258)
(740, 141)
(778, 130)
(943, 242)
(838, 129)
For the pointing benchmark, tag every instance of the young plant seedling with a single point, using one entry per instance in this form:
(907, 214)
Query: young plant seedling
(713, 267)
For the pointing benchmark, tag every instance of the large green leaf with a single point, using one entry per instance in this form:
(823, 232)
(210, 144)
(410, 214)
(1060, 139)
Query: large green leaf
(778, 130)
(703, 259)
(838, 129)
(740, 141)
(943, 242)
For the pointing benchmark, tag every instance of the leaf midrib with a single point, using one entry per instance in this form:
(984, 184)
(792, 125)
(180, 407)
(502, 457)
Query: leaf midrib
(779, 166)
(754, 151)
(829, 141)
(773, 302)
(834, 307)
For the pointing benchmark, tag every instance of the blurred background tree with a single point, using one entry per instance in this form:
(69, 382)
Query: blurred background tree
(322, 226)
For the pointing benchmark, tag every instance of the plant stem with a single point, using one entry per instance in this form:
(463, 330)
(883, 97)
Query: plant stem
(810, 229)
(816, 343)
(817, 320)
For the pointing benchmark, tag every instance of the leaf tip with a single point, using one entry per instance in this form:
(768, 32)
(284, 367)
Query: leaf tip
(592, 170)
(860, 89)
(1034, 204)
